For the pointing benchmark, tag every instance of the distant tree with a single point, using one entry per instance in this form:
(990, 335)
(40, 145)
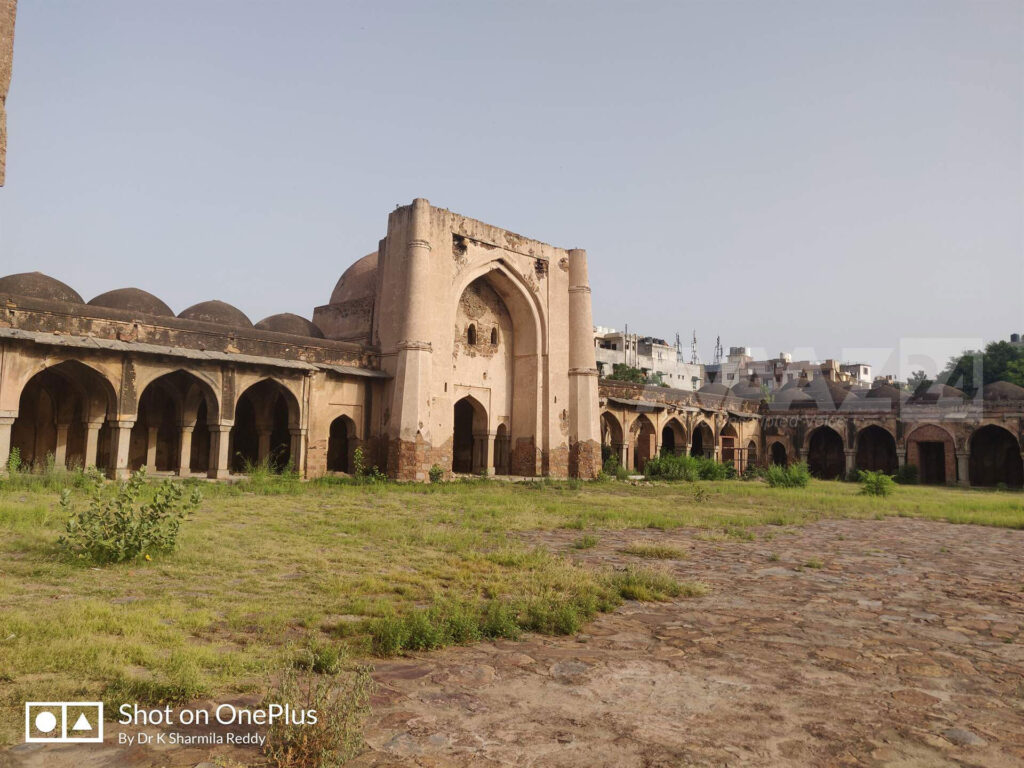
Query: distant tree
(623, 372)
(1000, 361)
(915, 380)
(1015, 372)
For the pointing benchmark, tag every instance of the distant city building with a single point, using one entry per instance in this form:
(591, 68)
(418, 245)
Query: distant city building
(660, 361)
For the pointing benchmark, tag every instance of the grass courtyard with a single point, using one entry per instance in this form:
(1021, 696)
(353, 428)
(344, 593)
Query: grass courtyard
(267, 568)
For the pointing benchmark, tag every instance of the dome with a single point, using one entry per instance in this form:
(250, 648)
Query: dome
(714, 388)
(1003, 390)
(217, 312)
(790, 398)
(132, 300)
(935, 392)
(358, 282)
(36, 285)
(886, 392)
(749, 389)
(286, 322)
(827, 394)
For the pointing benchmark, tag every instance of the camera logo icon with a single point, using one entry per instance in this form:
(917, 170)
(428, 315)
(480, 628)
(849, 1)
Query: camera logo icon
(64, 722)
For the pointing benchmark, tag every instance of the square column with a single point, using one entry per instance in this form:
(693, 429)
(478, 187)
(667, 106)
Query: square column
(298, 450)
(262, 444)
(5, 442)
(851, 461)
(60, 455)
(92, 442)
(963, 468)
(152, 435)
(185, 453)
(220, 436)
(121, 436)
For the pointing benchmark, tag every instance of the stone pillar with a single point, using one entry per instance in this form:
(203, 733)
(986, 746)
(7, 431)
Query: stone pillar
(152, 434)
(803, 455)
(121, 438)
(624, 456)
(901, 457)
(963, 468)
(263, 444)
(5, 441)
(298, 450)
(220, 438)
(487, 453)
(584, 408)
(851, 461)
(60, 455)
(185, 452)
(92, 442)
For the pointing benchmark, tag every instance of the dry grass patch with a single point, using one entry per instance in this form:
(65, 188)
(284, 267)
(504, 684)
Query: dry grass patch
(654, 551)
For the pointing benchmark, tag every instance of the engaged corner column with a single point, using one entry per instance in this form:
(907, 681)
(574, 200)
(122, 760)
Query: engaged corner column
(298, 450)
(185, 454)
(851, 461)
(220, 435)
(5, 441)
(121, 438)
(963, 468)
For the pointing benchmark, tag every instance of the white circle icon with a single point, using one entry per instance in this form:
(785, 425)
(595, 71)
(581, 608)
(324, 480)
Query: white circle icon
(45, 722)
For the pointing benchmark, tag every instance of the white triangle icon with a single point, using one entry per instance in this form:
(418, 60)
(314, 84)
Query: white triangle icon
(81, 724)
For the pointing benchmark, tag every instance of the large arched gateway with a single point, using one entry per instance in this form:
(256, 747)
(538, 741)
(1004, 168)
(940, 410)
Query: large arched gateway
(825, 456)
(995, 458)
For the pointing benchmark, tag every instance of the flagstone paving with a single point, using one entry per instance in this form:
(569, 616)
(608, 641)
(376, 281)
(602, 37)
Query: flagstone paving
(841, 643)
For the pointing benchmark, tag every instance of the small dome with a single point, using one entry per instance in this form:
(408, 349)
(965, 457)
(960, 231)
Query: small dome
(750, 389)
(217, 312)
(1003, 390)
(791, 398)
(886, 392)
(935, 392)
(713, 388)
(826, 393)
(358, 282)
(133, 300)
(286, 322)
(36, 285)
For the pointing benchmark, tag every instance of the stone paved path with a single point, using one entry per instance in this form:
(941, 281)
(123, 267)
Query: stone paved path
(905, 648)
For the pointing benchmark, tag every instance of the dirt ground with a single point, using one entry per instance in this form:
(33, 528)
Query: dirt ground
(867, 643)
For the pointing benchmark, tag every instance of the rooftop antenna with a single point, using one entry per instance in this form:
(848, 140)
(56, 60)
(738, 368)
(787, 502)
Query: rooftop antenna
(694, 357)
(718, 350)
(679, 347)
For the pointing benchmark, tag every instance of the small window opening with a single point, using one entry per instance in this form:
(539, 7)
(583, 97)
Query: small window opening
(494, 337)
(471, 335)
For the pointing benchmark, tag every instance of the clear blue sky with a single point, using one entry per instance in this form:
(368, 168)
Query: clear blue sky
(814, 175)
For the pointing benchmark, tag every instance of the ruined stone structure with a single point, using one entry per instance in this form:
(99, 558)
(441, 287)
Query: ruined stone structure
(7, 13)
(835, 428)
(455, 344)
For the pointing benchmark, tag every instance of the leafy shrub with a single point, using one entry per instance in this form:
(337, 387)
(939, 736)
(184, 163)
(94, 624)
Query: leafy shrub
(621, 473)
(908, 474)
(342, 705)
(794, 476)
(364, 474)
(436, 473)
(113, 530)
(754, 472)
(876, 484)
(14, 460)
(322, 658)
(611, 462)
(689, 468)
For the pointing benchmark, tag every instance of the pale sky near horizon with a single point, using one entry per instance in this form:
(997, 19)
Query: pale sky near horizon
(826, 178)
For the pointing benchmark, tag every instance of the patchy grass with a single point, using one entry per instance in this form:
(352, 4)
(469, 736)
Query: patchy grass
(275, 564)
(655, 551)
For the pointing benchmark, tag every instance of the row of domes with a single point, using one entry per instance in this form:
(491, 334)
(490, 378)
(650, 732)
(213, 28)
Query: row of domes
(36, 285)
(821, 392)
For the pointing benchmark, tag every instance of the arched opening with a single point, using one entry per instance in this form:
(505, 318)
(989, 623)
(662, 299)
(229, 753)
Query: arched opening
(779, 454)
(612, 443)
(172, 426)
(495, 304)
(154, 439)
(265, 415)
(673, 438)
(825, 456)
(703, 443)
(470, 420)
(930, 448)
(995, 458)
(728, 438)
(645, 442)
(61, 411)
(751, 453)
(876, 450)
(340, 445)
(501, 450)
